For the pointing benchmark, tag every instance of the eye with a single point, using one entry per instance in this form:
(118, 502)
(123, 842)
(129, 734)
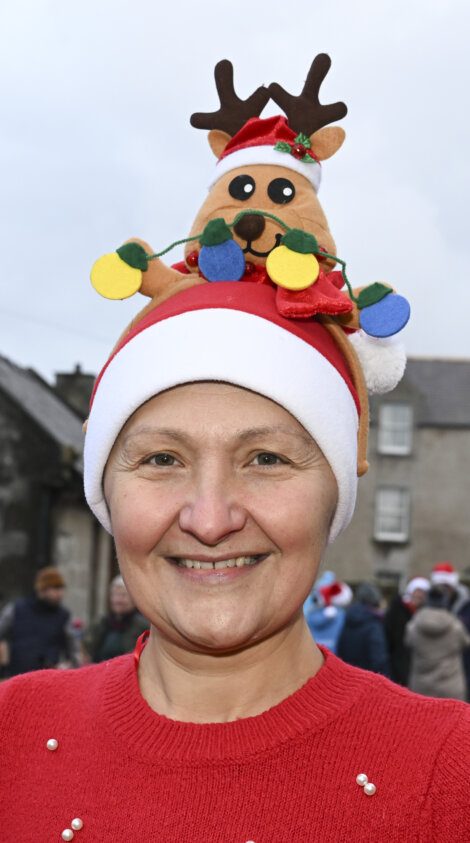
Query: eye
(281, 191)
(242, 187)
(267, 458)
(162, 459)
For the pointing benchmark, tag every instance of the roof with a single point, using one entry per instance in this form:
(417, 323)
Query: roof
(439, 390)
(39, 401)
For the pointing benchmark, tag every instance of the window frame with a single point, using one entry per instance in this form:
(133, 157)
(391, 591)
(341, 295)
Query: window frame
(384, 430)
(403, 513)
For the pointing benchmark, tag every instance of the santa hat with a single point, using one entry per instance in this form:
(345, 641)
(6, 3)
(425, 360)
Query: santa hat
(416, 583)
(444, 573)
(337, 594)
(270, 141)
(237, 335)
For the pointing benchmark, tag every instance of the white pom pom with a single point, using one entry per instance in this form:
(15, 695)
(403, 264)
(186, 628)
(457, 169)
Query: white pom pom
(383, 361)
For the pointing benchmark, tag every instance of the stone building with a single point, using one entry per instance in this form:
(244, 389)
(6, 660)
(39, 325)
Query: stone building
(43, 515)
(413, 506)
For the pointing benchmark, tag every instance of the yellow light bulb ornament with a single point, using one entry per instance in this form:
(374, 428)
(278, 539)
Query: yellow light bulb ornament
(118, 275)
(292, 264)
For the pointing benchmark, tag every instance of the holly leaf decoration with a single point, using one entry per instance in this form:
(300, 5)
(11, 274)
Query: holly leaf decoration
(282, 146)
(307, 159)
(303, 139)
(215, 233)
(300, 241)
(134, 255)
(372, 294)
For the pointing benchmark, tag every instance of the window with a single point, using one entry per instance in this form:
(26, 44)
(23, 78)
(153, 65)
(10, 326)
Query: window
(395, 428)
(392, 514)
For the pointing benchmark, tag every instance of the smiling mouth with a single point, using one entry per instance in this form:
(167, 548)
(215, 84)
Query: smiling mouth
(220, 565)
(248, 250)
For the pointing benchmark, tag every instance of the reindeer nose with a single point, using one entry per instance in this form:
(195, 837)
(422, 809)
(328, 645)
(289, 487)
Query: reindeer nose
(249, 227)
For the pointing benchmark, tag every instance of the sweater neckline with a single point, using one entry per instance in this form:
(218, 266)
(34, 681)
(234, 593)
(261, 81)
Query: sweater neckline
(141, 731)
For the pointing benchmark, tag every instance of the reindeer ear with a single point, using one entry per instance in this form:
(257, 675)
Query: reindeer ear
(218, 140)
(325, 142)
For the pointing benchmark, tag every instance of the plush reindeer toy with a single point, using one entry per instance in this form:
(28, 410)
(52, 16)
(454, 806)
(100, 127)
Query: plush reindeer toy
(262, 223)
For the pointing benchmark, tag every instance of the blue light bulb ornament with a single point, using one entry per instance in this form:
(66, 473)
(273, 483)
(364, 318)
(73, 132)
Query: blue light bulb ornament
(220, 258)
(382, 313)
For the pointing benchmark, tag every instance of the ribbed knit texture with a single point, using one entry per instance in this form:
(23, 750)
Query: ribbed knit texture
(286, 775)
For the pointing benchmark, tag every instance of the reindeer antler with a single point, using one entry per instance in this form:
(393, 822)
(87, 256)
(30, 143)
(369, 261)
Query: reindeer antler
(305, 112)
(233, 111)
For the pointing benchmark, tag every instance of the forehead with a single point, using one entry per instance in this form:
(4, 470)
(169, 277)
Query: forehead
(210, 409)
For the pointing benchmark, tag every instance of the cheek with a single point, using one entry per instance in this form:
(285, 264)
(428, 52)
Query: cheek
(140, 514)
(297, 515)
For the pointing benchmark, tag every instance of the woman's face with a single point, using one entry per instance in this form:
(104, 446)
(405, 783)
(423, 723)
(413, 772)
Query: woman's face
(120, 602)
(220, 504)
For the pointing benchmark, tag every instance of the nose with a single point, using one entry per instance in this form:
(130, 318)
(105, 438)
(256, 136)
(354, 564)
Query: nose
(211, 516)
(249, 227)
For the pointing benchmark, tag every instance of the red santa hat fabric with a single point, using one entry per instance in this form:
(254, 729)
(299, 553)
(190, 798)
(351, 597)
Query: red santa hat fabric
(337, 594)
(269, 140)
(230, 332)
(444, 573)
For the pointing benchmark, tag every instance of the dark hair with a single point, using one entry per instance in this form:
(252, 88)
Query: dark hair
(437, 598)
(368, 593)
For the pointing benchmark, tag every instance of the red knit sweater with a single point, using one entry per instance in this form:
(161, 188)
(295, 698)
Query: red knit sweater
(285, 776)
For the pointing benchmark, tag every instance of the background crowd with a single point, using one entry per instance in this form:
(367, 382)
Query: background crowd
(38, 632)
(419, 639)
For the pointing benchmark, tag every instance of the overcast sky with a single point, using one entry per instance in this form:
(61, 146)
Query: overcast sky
(96, 146)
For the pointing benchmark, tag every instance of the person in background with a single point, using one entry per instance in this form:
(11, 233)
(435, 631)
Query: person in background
(326, 611)
(117, 632)
(362, 641)
(437, 640)
(444, 575)
(399, 612)
(36, 630)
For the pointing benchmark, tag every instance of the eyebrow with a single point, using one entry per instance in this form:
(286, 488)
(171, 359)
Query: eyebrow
(243, 436)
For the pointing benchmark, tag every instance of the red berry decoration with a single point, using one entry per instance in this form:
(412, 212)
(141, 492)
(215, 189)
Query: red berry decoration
(299, 150)
(192, 259)
(249, 268)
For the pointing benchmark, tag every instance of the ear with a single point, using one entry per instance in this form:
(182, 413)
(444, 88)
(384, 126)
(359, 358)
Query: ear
(325, 142)
(218, 140)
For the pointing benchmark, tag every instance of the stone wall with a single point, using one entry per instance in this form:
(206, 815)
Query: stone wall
(437, 474)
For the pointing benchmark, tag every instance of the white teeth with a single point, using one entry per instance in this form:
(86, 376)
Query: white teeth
(237, 562)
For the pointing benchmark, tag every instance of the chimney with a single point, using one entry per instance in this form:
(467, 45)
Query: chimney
(75, 388)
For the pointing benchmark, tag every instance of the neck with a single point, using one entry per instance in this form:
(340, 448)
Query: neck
(202, 688)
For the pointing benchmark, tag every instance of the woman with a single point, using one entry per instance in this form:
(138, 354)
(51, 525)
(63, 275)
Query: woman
(400, 611)
(437, 640)
(117, 632)
(223, 472)
(362, 641)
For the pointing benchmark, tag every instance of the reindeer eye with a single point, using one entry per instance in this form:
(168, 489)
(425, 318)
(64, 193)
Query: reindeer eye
(242, 187)
(281, 191)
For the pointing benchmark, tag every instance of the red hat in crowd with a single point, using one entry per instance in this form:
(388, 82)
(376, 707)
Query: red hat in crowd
(444, 573)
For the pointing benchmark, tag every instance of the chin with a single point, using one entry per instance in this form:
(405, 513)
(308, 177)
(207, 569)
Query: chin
(219, 639)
